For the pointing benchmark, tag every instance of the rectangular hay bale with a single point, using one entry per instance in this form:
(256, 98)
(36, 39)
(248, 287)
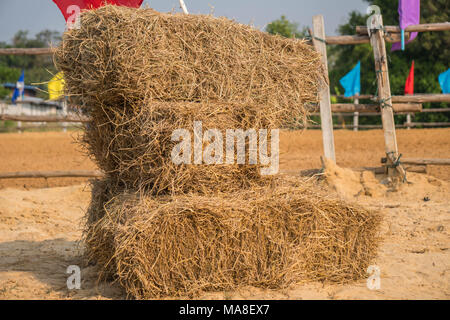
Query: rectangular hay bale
(135, 147)
(124, 55)
(266, 237)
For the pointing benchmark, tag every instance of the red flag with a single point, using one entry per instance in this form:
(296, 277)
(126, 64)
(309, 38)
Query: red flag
(71, 7)
(409, 85)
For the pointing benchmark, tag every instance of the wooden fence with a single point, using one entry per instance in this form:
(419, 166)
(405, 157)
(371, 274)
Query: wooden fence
(377, 37)
(400, 104)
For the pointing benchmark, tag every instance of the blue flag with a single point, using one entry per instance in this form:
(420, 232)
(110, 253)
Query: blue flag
(20, 86)
(444, 81)
(352, 81)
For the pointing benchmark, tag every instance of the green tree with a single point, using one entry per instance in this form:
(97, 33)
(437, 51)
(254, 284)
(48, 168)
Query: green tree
(430, 51)
(285, 28)
(38, 69)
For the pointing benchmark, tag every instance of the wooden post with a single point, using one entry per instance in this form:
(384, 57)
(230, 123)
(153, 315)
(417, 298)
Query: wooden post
(183, 7)
(408, 121)
(19, 111)
(384, 95)
(325, 98)
(356, 114)
(64, 105)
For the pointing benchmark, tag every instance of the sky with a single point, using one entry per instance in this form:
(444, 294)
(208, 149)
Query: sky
(37, 15)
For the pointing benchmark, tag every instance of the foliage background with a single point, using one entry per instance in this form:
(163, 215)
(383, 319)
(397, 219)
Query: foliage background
(430, 51)
(38, 69)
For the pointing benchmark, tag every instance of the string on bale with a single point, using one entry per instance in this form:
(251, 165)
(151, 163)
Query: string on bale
(268, 237)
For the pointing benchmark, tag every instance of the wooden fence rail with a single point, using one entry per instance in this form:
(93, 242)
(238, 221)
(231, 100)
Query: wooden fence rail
(43, 127)
(445, 26)
(414, 98)
(362, 37)
(427, 124)
(420, 162)
(368, 114)
(52, 174)
(344, 109)
(435, 110)
(331, 40)
(375, 108)
(421, 98)
(43, 118)
(379, 126)
(26, 51)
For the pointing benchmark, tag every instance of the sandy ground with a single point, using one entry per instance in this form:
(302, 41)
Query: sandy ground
(40, 221)
(46, 151)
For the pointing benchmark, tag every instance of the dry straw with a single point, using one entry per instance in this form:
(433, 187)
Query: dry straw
(268, 237)
(135, 148)
(140, 75)
(165, 230)
(123, 55)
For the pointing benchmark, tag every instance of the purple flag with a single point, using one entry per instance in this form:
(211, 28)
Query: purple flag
(409, 11)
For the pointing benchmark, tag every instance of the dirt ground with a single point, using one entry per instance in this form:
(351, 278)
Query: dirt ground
(40, 221)
(300, 150)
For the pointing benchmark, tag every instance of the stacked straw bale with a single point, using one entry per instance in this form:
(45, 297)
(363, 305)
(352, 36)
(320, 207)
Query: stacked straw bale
(265, 237)
(162, 229)
(123, 55)
(141, 74)
(135, 148)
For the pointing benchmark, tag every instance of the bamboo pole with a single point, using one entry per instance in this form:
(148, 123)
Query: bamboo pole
(325, 99)
(412, 98)
(374, 108)
(421, 98)
(52, 174)
(376, 170)
(420, 162)
(435, 110)
(361, 39)
(331, 40)
(338, 40)
(42, 118)
(361, 96)
(429, 124)
(27, 51)
(356, 114)
(384, 95)
(445, 26)
(37, 128)
(408, 121)
(183, 6)
(19, 107)
(382, 170)
(377, 126)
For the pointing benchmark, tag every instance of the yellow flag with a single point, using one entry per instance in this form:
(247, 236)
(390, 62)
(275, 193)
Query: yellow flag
(56, 86)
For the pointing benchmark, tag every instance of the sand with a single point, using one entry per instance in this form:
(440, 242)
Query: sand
(300, 150)
(40, 227)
